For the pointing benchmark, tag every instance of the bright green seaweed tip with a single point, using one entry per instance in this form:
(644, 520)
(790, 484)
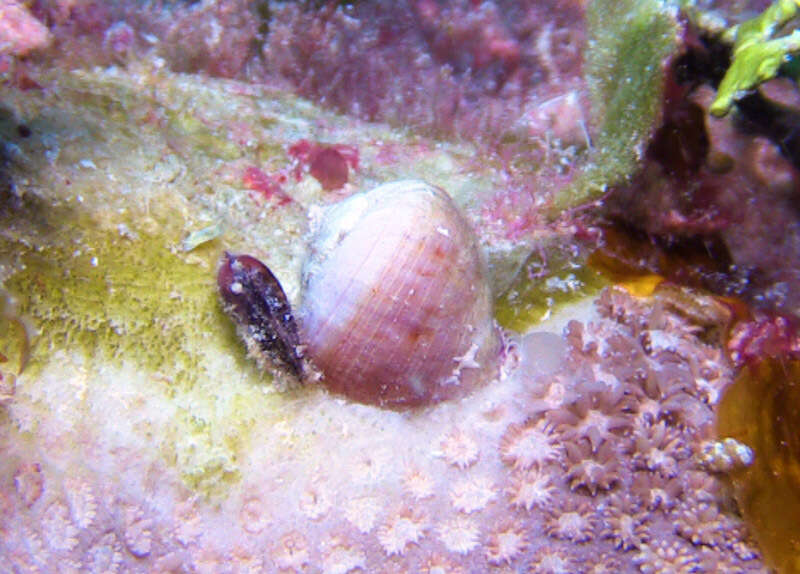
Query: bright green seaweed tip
(757, 56)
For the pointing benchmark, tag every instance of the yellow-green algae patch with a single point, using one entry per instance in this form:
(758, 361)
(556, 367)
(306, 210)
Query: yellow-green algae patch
(549, 279)
(119, 300)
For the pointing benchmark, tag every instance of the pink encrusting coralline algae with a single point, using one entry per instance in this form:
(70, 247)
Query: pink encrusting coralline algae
(20, 32)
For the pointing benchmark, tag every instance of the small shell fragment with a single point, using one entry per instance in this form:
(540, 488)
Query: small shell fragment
(725, 455)
(200, 236)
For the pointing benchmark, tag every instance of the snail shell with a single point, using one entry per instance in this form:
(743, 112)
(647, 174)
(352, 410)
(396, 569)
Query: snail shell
(397, 310)
(255, 300)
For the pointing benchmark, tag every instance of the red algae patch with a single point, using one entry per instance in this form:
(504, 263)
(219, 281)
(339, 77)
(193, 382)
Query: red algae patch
(329, 168)
(330, 164)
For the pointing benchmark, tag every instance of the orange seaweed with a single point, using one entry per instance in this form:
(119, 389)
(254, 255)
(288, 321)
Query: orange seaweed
(762, 410)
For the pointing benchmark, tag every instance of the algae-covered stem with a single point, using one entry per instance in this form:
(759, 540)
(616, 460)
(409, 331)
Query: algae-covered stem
(630, 44)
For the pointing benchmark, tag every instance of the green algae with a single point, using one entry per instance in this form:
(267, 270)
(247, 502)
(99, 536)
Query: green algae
(629, 44)
(757, 56)
(118, 299)
(138, 302)
(548, 280)
(93, 251)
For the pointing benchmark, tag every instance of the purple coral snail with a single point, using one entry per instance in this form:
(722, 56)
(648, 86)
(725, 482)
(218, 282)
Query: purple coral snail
(396, 308)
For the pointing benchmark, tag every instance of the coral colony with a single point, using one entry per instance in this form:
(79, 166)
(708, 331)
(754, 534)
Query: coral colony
(427, 286)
